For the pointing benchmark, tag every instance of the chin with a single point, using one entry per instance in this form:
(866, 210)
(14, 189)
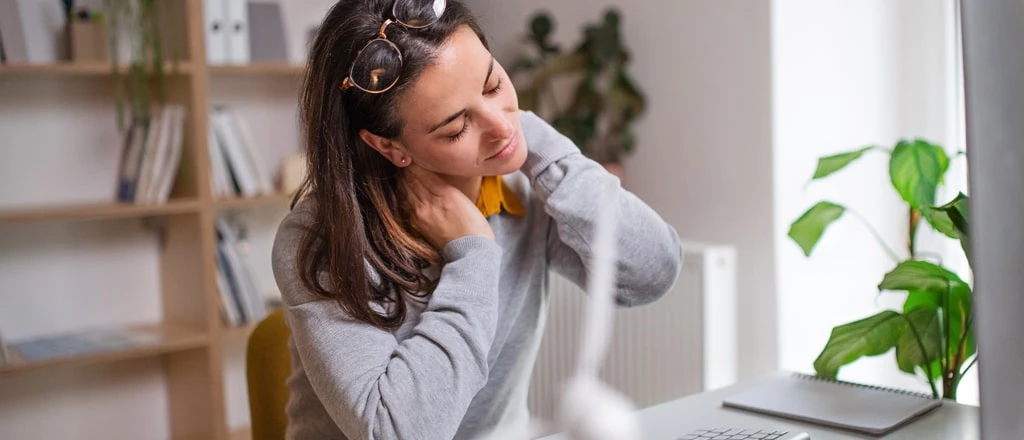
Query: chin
(514, 163)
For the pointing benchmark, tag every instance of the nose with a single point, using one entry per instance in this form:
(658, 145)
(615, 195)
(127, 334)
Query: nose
(502, 127)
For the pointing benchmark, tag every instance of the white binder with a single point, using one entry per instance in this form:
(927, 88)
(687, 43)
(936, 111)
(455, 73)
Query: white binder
(214, 19)
(238, 31)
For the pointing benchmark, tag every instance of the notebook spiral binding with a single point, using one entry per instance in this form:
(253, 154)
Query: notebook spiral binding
(860, 385)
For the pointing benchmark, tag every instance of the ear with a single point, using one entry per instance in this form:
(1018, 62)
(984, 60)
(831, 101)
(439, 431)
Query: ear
(391, 150)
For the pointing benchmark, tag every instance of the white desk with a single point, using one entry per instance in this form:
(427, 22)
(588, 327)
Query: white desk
(670, 420)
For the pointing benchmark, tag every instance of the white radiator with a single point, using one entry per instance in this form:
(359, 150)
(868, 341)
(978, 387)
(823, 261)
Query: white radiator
(682, 344)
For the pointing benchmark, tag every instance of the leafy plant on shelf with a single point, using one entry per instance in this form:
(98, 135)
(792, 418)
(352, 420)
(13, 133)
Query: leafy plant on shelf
(933, 333)
(605, 102)
(137, 24)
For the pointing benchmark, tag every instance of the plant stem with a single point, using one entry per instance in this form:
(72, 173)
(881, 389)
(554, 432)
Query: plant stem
(951, 365)
(974, 360)
(915, 221)
(927, 367)
(878, 237)
(961, 350)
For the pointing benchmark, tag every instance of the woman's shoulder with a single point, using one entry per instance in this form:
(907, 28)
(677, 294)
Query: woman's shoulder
(290, 232)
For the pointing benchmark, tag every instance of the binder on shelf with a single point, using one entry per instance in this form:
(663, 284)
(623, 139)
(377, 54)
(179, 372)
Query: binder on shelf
(228, 305)
(11, 33)
(131, 159)
(215, 22)
(266, 33)
(237, 16)
(846, 405)
(255, 159)
(245, 299)
(242, 165)
(151, 156)
(90, 342)
(33, 31)
(155, 139)
(168, 163)
(222, 185)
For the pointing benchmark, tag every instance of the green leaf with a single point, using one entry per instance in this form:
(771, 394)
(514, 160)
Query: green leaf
(959, 309)
(830, 164)
(917, 275)
(807, 230)
(956, 211)
(916, 169)
(922, 331)
(870, 336)
(939, 220)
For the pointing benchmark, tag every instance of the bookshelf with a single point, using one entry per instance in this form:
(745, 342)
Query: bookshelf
(82, 212)
(77, 69)
(192, 339)
(169, 340)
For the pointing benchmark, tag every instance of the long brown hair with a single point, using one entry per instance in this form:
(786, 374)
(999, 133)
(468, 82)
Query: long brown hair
(359, 249)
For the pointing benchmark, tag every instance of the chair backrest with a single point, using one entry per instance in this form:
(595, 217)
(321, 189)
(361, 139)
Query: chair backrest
(267, 367)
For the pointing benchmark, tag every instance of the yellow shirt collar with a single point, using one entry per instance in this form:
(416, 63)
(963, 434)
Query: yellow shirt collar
(496, 196)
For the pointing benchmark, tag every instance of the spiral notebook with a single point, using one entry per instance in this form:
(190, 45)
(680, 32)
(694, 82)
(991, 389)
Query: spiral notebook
(863, 408)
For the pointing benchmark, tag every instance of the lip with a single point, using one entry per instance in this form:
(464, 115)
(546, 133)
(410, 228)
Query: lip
(508, 149)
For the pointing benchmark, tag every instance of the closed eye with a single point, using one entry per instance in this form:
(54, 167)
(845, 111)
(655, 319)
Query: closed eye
(465, 127)
(494, 90)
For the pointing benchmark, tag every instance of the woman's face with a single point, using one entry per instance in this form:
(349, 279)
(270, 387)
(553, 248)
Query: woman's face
(461, 116)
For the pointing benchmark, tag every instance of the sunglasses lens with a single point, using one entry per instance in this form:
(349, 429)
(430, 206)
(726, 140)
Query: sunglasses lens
(419, 13)
(377, 67)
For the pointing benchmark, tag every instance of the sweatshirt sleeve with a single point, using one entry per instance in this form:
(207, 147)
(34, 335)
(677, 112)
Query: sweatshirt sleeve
(374, 387)
(567, 182)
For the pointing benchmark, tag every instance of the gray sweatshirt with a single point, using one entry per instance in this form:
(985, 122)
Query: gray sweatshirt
(460, 365)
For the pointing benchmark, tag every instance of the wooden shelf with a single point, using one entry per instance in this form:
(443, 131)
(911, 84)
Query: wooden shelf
(267, 69)
(241, 434)
(253, 202)
(240, 333)
(97, 211)
(169, 340)
(77, 69)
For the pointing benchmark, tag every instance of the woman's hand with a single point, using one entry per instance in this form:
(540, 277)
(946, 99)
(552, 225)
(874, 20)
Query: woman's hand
(439, 211)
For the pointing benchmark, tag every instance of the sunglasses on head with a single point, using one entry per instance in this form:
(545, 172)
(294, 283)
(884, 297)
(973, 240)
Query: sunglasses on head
(379, 64)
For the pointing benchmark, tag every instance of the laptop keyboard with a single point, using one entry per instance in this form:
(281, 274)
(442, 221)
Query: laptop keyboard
(742, 434)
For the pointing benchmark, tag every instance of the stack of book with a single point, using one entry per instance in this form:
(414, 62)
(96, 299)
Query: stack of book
(238, 168)
(81, 343)
(151, 155)
(241, 302)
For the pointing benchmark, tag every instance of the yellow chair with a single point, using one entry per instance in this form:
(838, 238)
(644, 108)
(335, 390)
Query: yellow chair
(267, 367)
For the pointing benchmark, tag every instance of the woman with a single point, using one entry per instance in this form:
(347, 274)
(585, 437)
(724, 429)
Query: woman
(414, 269)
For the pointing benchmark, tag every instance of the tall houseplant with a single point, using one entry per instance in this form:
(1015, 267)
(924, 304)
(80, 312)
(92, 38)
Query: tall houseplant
(605, 100)
(933, 333)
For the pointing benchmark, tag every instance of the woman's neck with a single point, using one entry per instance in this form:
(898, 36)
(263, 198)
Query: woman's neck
(470, 186)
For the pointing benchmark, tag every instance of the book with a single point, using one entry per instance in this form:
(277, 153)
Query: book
(266, 33)
(834, 403)
(79, 344)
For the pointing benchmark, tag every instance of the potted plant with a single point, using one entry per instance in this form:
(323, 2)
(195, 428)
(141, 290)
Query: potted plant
(932, 334)
(604, 102)
(137, 25)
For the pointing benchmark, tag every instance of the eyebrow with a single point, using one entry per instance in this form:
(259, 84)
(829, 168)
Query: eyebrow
(456, 115)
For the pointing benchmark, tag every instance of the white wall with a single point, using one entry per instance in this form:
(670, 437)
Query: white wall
(848, 74)
(704, 148)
